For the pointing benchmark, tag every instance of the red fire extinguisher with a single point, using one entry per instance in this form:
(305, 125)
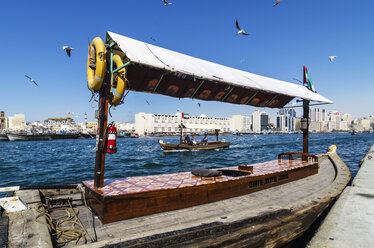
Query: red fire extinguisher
(112, 139)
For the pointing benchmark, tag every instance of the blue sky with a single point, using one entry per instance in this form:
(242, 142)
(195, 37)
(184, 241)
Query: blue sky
(282, 40)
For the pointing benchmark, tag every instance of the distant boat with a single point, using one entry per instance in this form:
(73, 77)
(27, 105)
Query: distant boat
(66, 136)
(198, 146)
(212, 145)
(134, 135)
(3, 137)
(354, 132)
(87, 135)
(27, 137)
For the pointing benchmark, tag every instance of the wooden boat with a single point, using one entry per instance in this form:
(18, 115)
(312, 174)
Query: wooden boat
(27, 137)
(3, 137)
(261, 205)
(153, 194)
(87, 135)
(277, 211)
(212, 145)
(66, 136)
(161, 71)
(354, 132)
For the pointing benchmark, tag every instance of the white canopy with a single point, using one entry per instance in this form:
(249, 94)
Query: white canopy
(196, 70)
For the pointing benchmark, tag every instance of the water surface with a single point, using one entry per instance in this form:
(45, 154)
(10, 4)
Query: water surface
(29, 163)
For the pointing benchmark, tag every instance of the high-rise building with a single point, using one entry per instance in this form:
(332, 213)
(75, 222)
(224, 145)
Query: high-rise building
(318, 115)
(256, 120)
(2, 120)
(286, 120)
(281, 122)
(264, 118)
(240, 123)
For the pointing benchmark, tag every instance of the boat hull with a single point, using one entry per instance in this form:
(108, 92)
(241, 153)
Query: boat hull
(66, 136)
(25, 137)
(198, 146)
(267, 218)
(3, 137)
(271, 217)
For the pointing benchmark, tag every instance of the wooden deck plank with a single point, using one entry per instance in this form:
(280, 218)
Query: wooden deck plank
(24, 231)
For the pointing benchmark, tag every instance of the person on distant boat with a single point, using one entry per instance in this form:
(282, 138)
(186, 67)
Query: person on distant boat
(188, 140)
(193, 140)
(205, 139)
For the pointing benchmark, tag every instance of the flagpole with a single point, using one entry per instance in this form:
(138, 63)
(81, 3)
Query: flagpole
(305, 116)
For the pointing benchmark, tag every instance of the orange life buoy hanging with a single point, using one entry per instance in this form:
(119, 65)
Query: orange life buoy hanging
(96, 64)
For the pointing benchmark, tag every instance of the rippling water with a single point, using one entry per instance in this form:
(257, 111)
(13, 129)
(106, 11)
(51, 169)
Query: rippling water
(29, 163)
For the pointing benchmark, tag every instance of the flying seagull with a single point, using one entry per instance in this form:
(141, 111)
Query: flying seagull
(277, 2)
(32, 80)
(166, 3)
(148, 102)
(240, 31)
(298, 80)
(68, 50)
(331, 58)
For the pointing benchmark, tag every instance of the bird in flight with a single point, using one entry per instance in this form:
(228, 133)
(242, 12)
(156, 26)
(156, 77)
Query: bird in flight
(240, 31)
(32, 80)
(166, 3)
(298, 80)
(331, 58)
(277, 2)
(68, 50)
(153, 39)
(198, 104)
(148, 102)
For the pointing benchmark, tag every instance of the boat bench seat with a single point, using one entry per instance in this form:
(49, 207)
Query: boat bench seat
(206, 173)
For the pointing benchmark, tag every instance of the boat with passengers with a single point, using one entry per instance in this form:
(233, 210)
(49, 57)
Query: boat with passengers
(193, 144)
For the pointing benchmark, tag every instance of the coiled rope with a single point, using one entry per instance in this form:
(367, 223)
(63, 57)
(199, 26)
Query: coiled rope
(63, 234)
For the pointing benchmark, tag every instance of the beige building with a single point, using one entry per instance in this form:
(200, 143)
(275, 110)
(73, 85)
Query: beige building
(16, 122)
(129, 127)
(92, 125)
(240, 123)
(362, 124)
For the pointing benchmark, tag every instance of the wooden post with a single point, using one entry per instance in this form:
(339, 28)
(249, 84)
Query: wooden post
(181, 135)
(101, 131)
(306, 130)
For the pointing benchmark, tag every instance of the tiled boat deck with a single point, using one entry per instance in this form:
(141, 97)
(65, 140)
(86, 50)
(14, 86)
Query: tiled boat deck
(133, 185)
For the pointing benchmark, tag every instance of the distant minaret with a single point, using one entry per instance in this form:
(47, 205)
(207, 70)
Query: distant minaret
(85, 119)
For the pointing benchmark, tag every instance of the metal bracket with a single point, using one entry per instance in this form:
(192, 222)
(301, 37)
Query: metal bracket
(197, 88)
(228, 93)
(111, 61)
(159, 81)
(270, 101)
(250, 99)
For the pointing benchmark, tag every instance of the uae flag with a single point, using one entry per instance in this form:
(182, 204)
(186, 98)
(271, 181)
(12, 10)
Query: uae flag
(307, 80)
(185, 116)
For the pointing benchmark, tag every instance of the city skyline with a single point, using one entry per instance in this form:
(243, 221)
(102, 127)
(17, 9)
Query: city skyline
(277, 48)
(272, 117)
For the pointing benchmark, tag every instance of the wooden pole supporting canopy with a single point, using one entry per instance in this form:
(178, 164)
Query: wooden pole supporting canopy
(101, 131)
(306, 130)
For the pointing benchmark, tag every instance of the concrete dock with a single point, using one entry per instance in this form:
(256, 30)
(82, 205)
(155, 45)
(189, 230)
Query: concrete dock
(350, 223)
